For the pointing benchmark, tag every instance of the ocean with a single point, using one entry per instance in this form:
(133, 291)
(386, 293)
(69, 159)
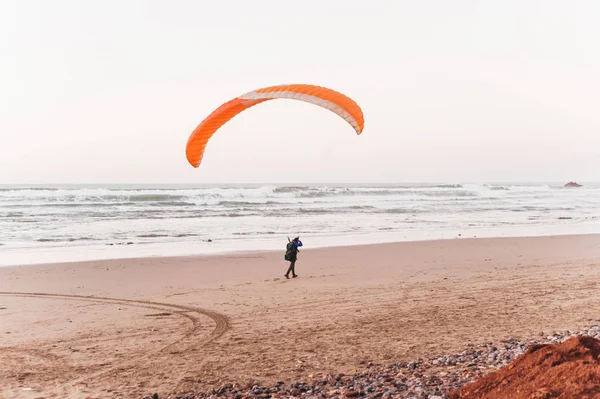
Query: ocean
(40, 224)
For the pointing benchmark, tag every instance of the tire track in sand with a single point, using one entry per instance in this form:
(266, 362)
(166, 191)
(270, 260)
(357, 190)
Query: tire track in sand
(193, 314)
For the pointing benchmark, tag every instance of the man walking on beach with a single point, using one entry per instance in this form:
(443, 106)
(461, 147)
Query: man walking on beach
(291, 254)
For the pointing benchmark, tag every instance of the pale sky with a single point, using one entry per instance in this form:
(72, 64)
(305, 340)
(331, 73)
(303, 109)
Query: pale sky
(109, 91)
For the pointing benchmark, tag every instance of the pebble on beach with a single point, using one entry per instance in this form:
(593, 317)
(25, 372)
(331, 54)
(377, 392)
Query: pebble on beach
(422, 379)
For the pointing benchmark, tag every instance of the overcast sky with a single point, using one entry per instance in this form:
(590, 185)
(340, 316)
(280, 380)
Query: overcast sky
(109, 91)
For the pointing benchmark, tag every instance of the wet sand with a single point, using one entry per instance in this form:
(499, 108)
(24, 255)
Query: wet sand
(128, 328)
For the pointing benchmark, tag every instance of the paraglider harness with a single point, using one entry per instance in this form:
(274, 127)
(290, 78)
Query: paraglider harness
(291, 251)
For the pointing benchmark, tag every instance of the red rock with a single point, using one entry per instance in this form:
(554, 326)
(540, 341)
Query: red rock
(559, 371)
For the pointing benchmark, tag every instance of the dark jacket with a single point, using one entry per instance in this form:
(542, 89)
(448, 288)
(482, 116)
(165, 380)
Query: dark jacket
(292, 249)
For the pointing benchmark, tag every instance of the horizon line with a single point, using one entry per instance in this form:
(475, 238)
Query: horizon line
(308, 182)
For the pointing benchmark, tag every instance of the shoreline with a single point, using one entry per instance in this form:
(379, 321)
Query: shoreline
(132, 327)
(225, 254)
(74, 254)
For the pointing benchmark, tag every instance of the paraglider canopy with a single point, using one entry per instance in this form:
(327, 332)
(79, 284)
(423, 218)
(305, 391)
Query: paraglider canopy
(330, 99)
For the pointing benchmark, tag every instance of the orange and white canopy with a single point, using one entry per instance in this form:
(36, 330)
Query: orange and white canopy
(321, 96)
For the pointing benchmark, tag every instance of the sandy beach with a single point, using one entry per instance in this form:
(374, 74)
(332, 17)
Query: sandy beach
(129, 328)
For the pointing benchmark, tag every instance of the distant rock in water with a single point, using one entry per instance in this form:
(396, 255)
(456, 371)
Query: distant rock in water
(572, 184)
(567, 370)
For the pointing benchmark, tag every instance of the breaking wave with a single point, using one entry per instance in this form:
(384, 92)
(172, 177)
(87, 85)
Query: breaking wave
(44, 216)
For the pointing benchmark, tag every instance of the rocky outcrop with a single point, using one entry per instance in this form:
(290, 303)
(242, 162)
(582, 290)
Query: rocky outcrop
(572, 184)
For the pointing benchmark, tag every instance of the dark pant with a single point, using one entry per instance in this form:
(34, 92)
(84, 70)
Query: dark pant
(292, 267)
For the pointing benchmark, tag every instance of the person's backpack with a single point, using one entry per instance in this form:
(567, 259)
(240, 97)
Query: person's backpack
(289, 250)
